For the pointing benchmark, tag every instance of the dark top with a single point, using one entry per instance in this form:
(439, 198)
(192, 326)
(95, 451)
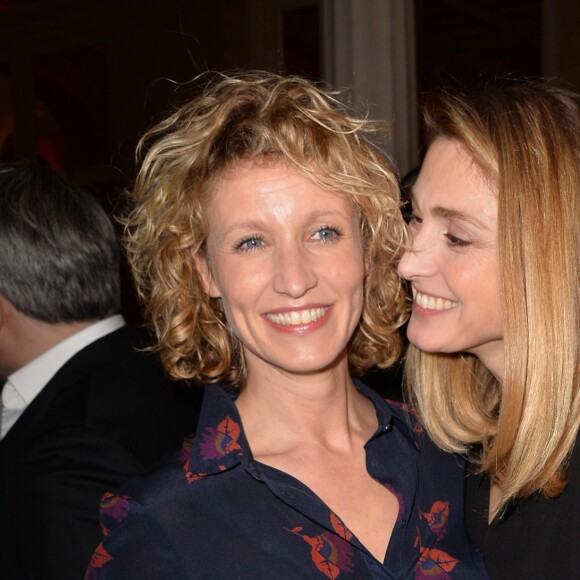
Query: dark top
(537, 539)
(216, 513)
(108, 414)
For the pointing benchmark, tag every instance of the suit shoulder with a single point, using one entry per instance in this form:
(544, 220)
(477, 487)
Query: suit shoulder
(128, 396)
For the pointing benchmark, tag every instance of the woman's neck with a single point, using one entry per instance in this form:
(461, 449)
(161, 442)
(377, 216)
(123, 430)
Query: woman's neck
(492, 356)
(284, 410)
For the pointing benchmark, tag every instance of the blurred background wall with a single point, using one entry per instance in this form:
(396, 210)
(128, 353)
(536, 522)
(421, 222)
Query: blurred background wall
(81, 80)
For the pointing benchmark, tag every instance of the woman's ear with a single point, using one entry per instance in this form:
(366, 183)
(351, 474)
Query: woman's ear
(207, 280)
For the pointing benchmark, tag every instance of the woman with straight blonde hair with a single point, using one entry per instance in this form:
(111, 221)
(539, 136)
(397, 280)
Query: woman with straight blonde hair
(494, 270)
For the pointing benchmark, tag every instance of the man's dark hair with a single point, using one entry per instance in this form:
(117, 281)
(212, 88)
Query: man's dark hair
(59, 256)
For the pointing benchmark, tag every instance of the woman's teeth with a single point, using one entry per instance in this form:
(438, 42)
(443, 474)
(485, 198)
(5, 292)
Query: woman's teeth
(432, 303)
(295, 318)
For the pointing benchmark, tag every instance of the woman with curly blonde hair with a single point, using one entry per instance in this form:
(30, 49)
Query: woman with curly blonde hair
(494, 268)
(264, 239)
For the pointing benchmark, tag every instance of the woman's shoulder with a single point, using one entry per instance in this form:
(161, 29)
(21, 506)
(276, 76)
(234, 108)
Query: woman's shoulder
(404, 412)
(172, 473)
(431, 455)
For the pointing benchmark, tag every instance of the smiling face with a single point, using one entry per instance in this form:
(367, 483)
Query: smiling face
(285, 257)
(453, 262)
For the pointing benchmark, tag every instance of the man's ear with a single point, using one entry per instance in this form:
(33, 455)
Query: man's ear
(204, 271)
(3, 307)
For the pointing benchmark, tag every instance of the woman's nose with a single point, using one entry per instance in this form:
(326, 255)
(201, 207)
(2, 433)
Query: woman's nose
(417, 261)
(295, 272)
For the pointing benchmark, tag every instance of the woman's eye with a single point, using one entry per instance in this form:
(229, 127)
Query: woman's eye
(249, 244)
(455, 241)
(414, 220)
(326, 234)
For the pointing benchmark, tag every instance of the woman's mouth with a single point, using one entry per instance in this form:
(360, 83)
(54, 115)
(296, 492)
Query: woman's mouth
(432, 302)
(298, 317)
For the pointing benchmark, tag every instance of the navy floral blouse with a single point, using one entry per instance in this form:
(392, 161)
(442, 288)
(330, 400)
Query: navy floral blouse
(215, 513)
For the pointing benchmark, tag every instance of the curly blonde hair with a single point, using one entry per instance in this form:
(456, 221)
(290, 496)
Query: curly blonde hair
(252, 116)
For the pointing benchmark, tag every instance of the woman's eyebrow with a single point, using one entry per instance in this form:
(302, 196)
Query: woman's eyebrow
(454, 214)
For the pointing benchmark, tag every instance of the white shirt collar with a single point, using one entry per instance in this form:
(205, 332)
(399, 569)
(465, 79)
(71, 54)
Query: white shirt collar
(29, 380)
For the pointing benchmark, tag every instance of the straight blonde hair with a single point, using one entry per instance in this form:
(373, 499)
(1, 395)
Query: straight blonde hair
(525, 138)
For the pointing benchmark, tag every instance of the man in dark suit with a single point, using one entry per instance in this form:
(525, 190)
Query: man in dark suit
(84, 407)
